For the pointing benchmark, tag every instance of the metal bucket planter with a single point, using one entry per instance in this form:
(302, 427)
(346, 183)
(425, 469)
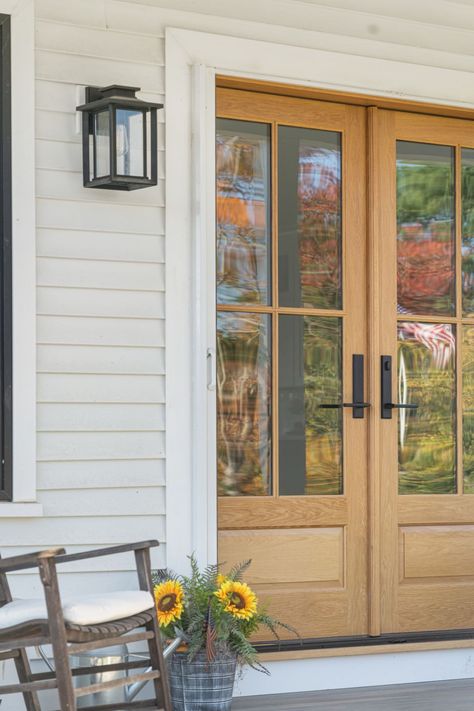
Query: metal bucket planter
(201, 685)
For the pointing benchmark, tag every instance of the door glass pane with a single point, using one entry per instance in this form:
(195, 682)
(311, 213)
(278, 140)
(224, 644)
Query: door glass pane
(425, 228)
(426, 436)
(468, 407)
(310, 437)
(309, 218)
(243, 404)
(243, 212)
(467, 231)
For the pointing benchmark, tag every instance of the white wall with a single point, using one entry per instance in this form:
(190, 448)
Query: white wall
(100, 255)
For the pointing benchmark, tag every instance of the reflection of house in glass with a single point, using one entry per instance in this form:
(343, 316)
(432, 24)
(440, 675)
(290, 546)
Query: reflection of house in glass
(243, 204)
(319, 222)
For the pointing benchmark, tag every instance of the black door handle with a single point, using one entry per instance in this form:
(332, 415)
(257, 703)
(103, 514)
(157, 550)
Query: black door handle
(400, 406)
(387, 406)
(357, 405)
(335, 405)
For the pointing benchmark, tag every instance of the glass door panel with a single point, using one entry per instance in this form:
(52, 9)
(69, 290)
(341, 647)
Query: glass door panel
(243, 212)
(425, 228)
(427, 435)
(309, 218)
(244, 425)
(310, 436)
(468, 407)
(467, 218)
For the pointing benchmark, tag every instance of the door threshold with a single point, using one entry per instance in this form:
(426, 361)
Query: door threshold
(364, 644)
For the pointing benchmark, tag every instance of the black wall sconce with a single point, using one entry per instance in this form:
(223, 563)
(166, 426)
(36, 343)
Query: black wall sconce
(119, 143)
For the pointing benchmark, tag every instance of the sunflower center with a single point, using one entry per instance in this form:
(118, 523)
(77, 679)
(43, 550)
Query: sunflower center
(167, 602)
(237, 600)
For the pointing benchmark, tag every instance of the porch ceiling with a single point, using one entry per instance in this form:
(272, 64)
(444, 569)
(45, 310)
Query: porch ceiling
(443, 13)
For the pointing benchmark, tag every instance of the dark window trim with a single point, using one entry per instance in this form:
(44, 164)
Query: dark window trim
(6, 365)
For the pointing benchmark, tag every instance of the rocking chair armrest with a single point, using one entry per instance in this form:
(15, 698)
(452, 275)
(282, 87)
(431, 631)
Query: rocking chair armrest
(28, 560)
(112, 550)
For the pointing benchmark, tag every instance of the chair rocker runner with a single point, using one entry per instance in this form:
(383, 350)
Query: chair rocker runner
(81, 624)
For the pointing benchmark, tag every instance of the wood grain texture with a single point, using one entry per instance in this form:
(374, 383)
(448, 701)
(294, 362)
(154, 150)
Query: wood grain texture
(304, 555)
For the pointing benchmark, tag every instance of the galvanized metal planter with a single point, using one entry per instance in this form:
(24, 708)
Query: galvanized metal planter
(200, 685)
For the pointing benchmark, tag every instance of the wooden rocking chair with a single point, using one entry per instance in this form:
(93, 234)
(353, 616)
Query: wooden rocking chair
(78, 625)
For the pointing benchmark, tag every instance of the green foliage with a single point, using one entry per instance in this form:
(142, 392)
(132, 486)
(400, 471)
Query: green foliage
(206, 624)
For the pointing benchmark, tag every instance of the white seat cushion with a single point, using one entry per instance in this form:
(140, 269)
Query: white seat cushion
(80, 610)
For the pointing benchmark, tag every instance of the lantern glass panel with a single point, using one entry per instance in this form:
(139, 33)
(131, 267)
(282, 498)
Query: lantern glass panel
(130, 142)
(102, 144)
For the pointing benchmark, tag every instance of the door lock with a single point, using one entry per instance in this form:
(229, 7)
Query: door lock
(387, 406)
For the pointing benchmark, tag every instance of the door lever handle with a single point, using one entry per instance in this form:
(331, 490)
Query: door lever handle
(387, 406)
(334, 405)
(357, 406)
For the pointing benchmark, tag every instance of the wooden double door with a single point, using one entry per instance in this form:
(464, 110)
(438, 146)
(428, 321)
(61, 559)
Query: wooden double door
(345, 357)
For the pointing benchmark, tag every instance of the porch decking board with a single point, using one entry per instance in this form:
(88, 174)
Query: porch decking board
(454, 695)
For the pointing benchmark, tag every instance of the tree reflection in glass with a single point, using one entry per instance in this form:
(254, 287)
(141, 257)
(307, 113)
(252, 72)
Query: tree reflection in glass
(467, 192)
(425, 228)
(243, 212)
(310, 437)
(426, 377)
(309, 217)
(243, 404)
(468, 407)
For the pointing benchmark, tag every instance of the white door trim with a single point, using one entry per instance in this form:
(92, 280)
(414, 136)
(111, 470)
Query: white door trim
(192, 61)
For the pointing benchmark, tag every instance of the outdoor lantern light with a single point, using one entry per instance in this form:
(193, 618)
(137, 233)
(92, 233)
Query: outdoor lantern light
(118, 139)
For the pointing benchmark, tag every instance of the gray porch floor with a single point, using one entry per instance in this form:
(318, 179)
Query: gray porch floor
(455, 695)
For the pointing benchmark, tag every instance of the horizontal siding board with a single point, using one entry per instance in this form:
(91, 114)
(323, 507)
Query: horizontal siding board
(100, 359)
(100, 302)
(58, 446)
(80, 69)
(88, 13)
(100, 530)
(67, 185)
(103, 502)
(89, 215)
(101, 388)
(100, 474)
(70, 417)
(58, 96)
(119, 246)
(56, 125)
(100, 331)
(129, 276)
(106, 44)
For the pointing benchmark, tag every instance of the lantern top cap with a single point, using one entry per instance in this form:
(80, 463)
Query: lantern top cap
(98, 98)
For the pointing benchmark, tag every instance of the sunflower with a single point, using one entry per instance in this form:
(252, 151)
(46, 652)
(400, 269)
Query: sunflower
(169, 602)
(220, 579)
(238, 599)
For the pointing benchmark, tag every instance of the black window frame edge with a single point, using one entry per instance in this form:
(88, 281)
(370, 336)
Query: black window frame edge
(6, 356)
